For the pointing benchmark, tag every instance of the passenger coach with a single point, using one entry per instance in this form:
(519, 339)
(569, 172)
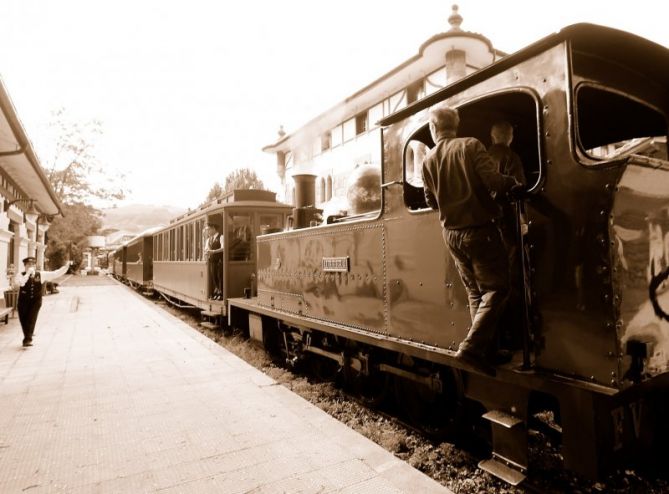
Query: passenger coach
(180, 271)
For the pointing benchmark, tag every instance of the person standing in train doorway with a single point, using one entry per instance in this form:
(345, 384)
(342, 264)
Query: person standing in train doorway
(31, 283)
(458, 179)
(214, 255)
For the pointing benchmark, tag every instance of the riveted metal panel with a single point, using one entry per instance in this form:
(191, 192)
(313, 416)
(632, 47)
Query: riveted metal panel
(640, 248)
(291, 275)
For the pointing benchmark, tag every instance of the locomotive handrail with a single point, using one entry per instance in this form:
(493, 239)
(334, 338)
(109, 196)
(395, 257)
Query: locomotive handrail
(636, 159)
(350, 217)
(394, 182)
(656, 163)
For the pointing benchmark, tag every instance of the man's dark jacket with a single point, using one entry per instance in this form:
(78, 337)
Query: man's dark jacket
(458, 178)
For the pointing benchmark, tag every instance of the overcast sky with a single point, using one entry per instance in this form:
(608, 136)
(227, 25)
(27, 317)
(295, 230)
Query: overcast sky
(189, 90)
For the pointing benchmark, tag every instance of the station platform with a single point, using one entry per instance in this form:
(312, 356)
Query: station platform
(117, 396)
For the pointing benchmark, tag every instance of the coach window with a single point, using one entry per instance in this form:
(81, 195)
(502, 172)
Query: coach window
(629, 123)
(239, 236)
(518, 108)
(199, 225)
(271, 221)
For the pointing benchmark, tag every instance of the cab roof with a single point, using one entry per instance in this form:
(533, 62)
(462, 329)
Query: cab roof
(630, 50)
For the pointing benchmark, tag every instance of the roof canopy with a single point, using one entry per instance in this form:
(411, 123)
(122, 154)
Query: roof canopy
(19, 162)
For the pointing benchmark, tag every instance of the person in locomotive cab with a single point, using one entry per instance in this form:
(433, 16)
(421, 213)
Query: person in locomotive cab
(213, 253)
(509, 163)
(31, 283)
(459, 177)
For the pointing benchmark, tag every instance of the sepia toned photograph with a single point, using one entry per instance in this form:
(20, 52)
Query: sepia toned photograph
(349, 247)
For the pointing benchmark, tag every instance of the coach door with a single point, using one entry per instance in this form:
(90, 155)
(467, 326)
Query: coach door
(240, 256)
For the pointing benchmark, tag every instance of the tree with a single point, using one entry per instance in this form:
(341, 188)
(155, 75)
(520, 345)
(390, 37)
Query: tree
(243, 178)
(75, 172)
(67, 234)
(76, 175)
(215, 192)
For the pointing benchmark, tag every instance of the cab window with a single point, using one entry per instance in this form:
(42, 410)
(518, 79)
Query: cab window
(611, 124)
(520, 109)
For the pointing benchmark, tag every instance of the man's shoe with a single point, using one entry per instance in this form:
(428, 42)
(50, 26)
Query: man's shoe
(475, 362)
(27, 343)
(501, 357)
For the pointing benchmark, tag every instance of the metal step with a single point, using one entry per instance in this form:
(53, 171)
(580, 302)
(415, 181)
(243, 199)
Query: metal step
(207, 313)
(502, 418)
(509, 459)
(502, 471)
(209, 325)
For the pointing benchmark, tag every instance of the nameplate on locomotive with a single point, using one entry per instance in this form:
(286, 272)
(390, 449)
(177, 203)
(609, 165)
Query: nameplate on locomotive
(336, 264)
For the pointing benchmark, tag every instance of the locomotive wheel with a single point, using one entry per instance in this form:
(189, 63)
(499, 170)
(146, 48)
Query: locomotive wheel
(371, 389)
(435, 413)
(323, 369)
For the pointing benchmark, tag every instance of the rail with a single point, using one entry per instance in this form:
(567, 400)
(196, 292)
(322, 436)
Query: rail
(175, 304)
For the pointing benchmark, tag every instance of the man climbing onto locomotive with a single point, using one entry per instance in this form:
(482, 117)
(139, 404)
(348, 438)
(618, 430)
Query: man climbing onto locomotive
(459, 177)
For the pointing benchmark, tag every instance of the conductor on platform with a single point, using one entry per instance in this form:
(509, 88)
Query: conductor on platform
(31, 283)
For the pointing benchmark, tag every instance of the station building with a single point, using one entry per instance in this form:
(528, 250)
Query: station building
(346, 136)
(28, 202)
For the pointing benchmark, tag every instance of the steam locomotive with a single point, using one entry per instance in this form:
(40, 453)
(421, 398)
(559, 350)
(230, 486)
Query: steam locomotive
(377, 295)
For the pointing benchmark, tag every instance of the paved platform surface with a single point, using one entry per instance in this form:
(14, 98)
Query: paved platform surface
(119, 396)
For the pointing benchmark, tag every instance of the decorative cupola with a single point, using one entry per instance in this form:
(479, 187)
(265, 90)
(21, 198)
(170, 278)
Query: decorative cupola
(462, 51)
(455, 19)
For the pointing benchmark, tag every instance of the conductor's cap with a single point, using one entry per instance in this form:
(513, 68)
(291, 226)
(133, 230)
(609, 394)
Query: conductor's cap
(29, 259)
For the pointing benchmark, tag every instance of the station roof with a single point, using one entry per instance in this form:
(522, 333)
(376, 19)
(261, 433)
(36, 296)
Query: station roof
(19, 161)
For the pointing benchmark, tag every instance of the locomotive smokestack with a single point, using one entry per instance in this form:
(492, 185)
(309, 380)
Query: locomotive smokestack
(305, 190)
(305, 212)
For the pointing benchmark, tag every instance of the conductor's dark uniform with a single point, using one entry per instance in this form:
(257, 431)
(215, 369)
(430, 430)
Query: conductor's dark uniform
(29, 304)
(31, 288)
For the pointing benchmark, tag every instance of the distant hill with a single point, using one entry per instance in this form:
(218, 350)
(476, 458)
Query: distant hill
(135, 218)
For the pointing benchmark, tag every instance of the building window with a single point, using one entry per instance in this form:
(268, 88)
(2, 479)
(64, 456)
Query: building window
(375, 114)
(435, 81)
(349, 129)
(328, 188)
(11, 252)
(415, 91)
(316, 147)
(321, 190)
(361, 123)
(326, 141)
(395, 103)
(336, 136)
